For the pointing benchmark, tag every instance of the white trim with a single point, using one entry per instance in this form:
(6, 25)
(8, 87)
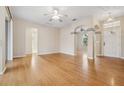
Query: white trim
(30, 53)
(19, 56)
(1, 73)
(90, 58)
(68, 53)
(111, 56)
(122, 57)
(44, 53)
(114, 57)
(53, 52)
(99, 54)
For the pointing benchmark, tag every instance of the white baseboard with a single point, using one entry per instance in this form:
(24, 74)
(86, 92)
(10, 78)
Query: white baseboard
(113, 57)
(1, 73)
(48, 52)
(68, 53)
(122, 57)
(90, 58)
(99, 55)
(19, 56)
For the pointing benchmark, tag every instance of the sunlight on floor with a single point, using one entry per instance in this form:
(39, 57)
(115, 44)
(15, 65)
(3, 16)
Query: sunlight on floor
(85, 62)
(112, 81)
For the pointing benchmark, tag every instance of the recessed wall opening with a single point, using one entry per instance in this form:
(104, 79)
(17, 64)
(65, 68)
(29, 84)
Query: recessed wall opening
(81, 44)
(31, 40)
(34, 40)
(85, 43)
(8, 40)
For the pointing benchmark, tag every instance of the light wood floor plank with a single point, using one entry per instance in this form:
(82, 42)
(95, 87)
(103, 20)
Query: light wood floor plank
(64, 70)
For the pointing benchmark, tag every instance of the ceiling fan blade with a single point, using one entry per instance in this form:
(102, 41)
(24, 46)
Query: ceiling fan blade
(45, 14)
(60, 20)
(66, 15)
(50, 20)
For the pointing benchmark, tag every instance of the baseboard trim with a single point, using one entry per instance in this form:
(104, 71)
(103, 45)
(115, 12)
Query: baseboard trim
(45, 53)
(114, 57)
(1, 73)
(72, 54)
(90, 58)
(19, 56)
(99, 55)
(122, 57)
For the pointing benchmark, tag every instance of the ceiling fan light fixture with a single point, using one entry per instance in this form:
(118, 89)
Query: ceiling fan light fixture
(55, 12)
(110, 18)
(55, 17)
(74, 19)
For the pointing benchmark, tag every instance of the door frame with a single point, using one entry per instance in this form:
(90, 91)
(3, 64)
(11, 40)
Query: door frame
(119, 56)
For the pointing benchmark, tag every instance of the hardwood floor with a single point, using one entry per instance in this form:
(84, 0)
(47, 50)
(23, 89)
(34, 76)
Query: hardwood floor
(61, 69)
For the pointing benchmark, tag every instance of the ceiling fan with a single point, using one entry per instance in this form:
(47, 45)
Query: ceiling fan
(110, 18)
(56, 16)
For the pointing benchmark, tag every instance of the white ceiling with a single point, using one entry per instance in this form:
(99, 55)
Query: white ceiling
(36, 13)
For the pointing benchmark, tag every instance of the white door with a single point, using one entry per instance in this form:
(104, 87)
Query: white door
(112, 42)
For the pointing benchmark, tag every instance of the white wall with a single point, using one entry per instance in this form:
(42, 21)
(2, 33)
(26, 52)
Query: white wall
(48, 38)
(2, 38)
(10, 41)
(67, 39)
(18, 38)
(3, 16)
(28, 40)
(90, 45)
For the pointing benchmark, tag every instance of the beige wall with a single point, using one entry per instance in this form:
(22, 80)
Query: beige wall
(52, 40)
(18, 38)
(67, 39)
(48, 40)
(28, 40)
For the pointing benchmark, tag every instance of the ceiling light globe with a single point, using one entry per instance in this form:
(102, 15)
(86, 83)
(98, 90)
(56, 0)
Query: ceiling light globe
(55, 17)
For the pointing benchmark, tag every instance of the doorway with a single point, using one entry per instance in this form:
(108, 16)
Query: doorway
(108, 40)
(112, 39)
(31, 41)
(84, 42)
(6, 39)
(34, 40)
(81, 44)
